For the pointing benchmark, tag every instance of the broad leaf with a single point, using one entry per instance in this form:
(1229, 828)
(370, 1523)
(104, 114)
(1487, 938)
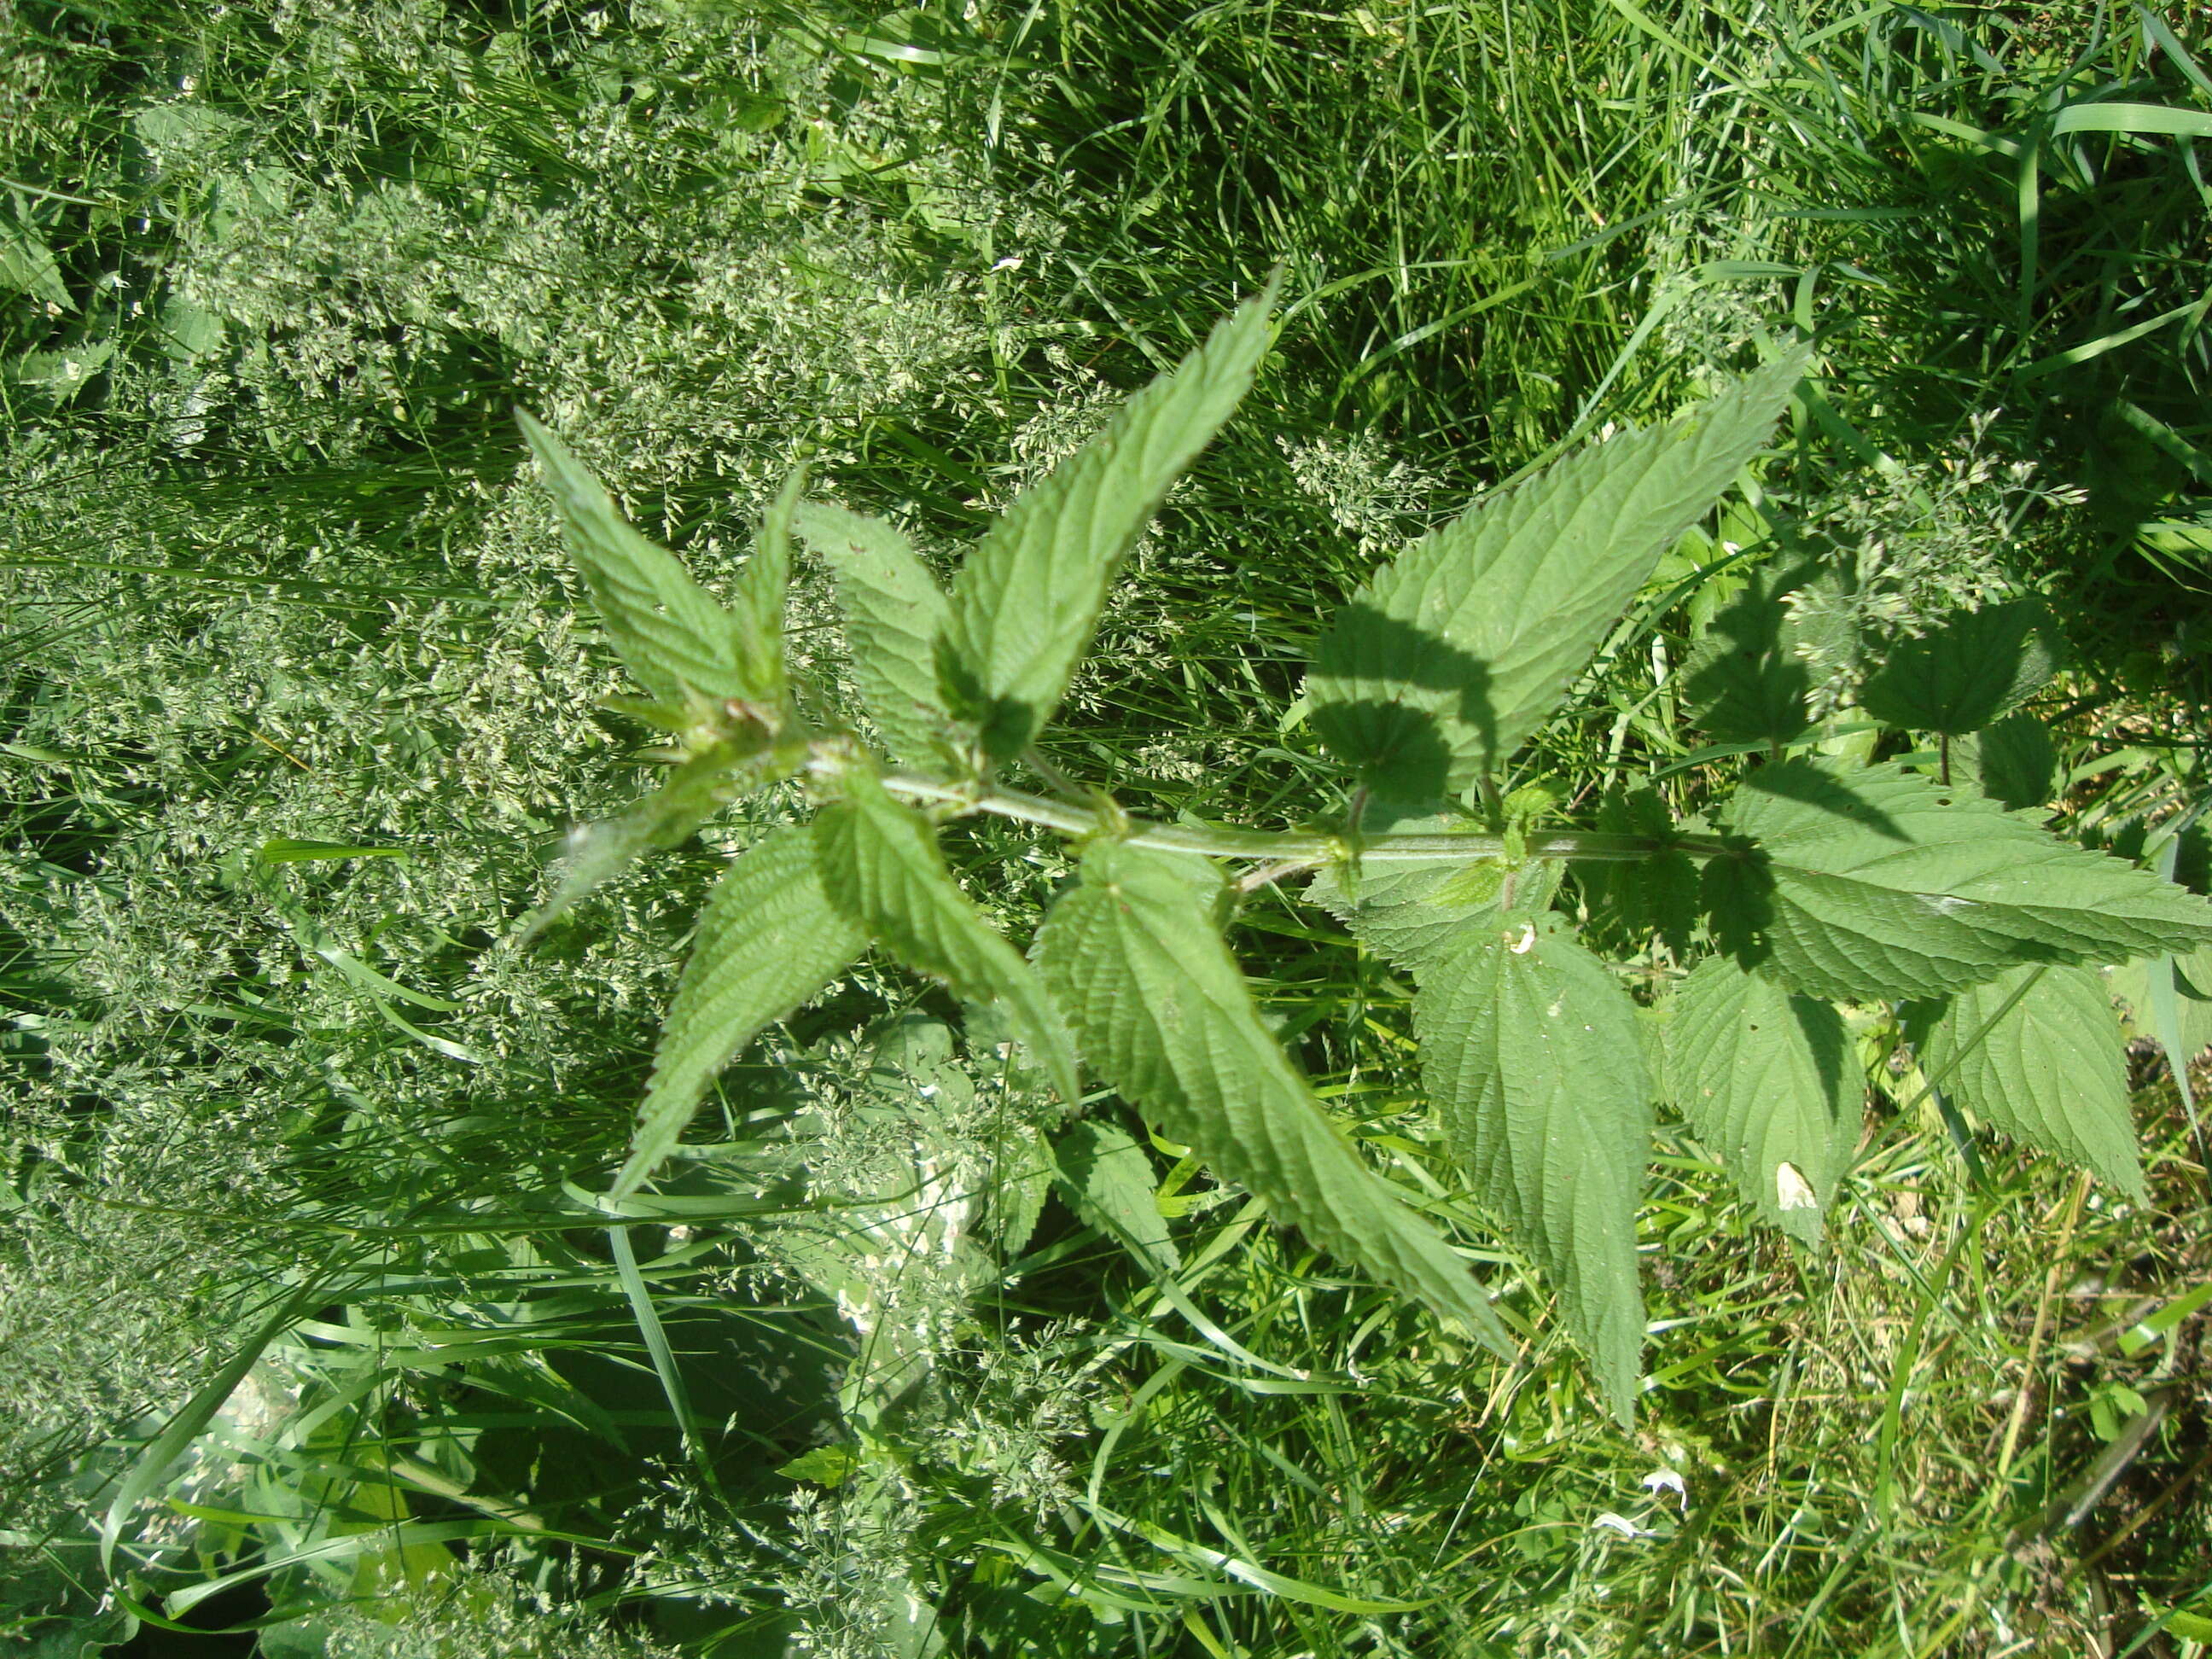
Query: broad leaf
(2013, 761)
(1746, 681)
(1768, 1081)
(2036, 1052)
(1027, 598)
(1413, 914)
(1969, 670)
(893, 611)
(672, 634)
(1131, 954)
(2194, 974)
(881, 867)
(1530, 1053)
(1456, 652)
(1874, 882)
(768, 939)
(1109, 1182)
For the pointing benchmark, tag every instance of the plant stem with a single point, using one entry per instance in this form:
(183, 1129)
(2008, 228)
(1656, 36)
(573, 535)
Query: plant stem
(1296, 846)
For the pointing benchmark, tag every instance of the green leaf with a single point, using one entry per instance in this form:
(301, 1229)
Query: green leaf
(1768, 1080)
(1131, 955)
(597, 852)
(882, 867)
(287, 849)
(2194, 972)
(28, 266)
(1874, 882)
(1971, 668)
(1027, 598)
(670, 633)
(2013, 761)
(1457, 650)
(826, 1466)
(1109, 1182)
(2163, 1005)
(1530, 1053)
(757, 598)
(1746, 681)
(893, 611)
(768, 939)
(2049, 1068)
(1413, 914)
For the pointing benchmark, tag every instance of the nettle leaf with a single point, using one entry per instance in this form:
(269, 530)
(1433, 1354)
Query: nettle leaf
(2036, 1052)
(1131, 955)
(2193, 971)
(670, 633)
(1413, 914)
(597, 852)
(768, 939)
(1768, 1081)
(1531, 1057)
(757, 598)
(1873, 882)
(1746, 681)
(881, 867)
(894, 610)
(1457, 650)
(2013, 761)
(1970, 669)
(1109, 1182)
(1026, 601)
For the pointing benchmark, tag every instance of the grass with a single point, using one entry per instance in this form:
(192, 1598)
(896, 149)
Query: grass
(299, 705)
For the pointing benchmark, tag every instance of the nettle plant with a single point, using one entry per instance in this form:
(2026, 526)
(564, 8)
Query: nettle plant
(1822, 881)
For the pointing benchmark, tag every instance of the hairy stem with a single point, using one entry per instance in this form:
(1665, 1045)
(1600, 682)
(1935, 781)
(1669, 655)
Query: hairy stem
(1303, 848)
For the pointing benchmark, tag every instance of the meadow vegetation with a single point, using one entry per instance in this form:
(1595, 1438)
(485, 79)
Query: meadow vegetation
(318, 1332)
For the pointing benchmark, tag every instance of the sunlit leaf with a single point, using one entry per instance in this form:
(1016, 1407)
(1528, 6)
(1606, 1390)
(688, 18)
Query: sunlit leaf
(768, 939)
(1874, 882)
(894, 611)
(1027, 598)
(883, 869)
(1530, 1053)
(1457, 650)
(1768, 1080)
(1133, 955)
(670, 633)
(2036, 1052)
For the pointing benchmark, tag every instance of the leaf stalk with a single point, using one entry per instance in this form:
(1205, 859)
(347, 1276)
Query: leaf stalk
(1298, 847)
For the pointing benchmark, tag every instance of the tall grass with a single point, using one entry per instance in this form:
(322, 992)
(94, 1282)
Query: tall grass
(299, 702)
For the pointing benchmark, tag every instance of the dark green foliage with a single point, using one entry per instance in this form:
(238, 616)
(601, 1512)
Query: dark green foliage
(1747, 681)
(1967, 673)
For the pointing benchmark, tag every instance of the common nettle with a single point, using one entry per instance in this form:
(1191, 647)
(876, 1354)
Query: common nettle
(1822, 883)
